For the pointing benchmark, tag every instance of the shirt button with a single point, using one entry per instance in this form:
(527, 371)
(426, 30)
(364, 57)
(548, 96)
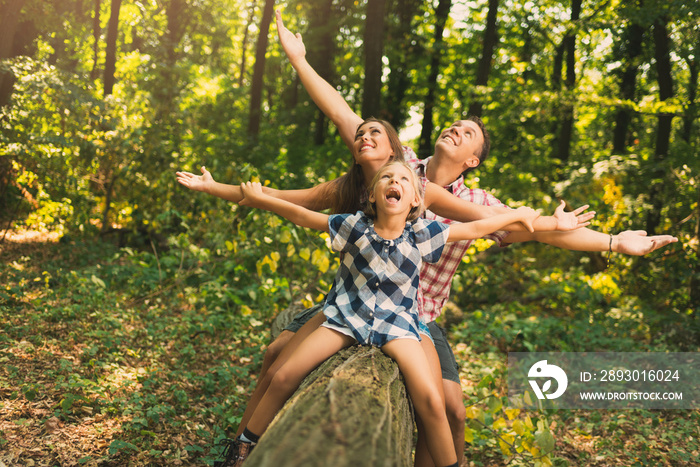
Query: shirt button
(376, 284)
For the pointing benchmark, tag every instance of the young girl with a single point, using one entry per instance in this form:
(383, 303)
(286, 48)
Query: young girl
(373, 298)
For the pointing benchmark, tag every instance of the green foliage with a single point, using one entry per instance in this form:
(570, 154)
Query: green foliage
(522, 438)
(512, 301)
(162, 342)
(181, 292)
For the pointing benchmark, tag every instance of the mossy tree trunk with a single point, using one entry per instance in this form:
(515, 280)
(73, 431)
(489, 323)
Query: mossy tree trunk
(353, 410)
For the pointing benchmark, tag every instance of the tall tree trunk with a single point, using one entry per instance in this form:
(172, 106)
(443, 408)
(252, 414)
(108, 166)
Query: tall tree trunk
(321, 47)
(352, 411)
(566, 129)
(483, 70)
(111, 47)
(400, 63)
(631, 50)
(166, 94)
(256, 88)
(96, 33)
(373, 42)
(244, 43)
(694, 283)
(425, 146)
(663, 131)
(9, 19)
(693, 63)
(692, 112)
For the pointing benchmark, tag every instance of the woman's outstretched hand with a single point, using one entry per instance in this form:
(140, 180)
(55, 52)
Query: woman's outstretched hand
(574, 219)
(195, 182)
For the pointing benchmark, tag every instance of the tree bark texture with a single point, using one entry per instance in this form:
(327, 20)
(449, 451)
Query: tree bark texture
(566, 130)
(111, 50)
(401, 62)
(489, 45)
(664, 78)
(96, 33)
(9, 19)
(373, 42)
(688, 135)
(630, 50)
(321, 48)
(353, 410)
(244, 44)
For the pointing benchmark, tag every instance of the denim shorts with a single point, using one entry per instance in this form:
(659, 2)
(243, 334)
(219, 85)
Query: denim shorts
(303, 317)
(448, 362)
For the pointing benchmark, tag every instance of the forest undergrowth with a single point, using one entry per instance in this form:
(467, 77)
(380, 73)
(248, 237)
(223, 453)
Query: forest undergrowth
(119, 357)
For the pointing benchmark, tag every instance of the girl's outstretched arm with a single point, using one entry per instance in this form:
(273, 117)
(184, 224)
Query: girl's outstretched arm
(316, 198)
(480, 228)
(444, 204)
(254, 197)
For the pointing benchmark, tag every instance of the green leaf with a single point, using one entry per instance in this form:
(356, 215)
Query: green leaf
(97, 281)
(30, 394)
(545, 441)
(118, 445)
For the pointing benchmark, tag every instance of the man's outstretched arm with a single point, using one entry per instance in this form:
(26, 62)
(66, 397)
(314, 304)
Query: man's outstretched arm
(628, 242)
(326, 97)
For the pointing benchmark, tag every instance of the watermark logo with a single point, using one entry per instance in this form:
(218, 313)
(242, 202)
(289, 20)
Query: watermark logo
(605, 380)
(542, 369)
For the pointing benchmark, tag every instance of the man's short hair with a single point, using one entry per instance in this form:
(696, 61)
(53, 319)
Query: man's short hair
(485, 148)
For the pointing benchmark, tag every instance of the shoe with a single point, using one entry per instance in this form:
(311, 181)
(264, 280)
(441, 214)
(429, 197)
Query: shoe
(244, 450)
(235, 452)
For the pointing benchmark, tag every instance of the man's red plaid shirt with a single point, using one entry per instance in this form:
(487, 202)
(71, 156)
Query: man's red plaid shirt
(436, 279)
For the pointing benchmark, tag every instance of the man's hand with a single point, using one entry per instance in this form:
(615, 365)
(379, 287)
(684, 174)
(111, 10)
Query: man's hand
(291, 43)
(636, 242)
(572, 220)
(195, 182)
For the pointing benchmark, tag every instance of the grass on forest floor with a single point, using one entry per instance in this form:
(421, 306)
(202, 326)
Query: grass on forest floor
(103, 367)
(96, 375)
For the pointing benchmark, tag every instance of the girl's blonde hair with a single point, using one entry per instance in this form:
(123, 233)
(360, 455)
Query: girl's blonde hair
(349, 189)
(415, 212)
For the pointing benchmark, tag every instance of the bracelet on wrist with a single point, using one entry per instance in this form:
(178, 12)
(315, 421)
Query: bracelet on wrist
(607, 261)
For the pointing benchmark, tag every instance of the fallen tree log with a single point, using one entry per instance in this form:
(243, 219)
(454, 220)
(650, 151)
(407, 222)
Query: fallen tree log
(353, 410)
